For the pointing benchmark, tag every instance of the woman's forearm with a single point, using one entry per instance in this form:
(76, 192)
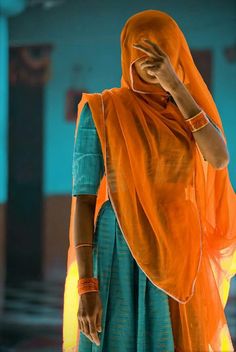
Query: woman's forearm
(83, 233)
(209, 138)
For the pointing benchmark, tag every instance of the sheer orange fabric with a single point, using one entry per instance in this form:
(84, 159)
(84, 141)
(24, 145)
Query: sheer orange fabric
(176, 212)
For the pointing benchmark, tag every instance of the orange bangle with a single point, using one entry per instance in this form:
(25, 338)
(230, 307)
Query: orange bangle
(89, 284)
(198, 121)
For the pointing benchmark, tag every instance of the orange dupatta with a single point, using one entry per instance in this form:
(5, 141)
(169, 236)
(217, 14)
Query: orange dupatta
(176, 212)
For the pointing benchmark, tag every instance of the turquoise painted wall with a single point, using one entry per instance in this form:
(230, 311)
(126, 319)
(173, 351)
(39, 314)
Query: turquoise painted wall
(89, 36)
(3, 107)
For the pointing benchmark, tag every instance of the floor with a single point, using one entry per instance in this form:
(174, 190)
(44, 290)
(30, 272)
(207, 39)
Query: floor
(32, 319)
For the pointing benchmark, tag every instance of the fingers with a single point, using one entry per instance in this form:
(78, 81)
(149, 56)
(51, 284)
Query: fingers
(89, 317)
(155, 46)
(151, 73)
(93, 331)
(88, 327)
(99, 321)
(145, 50)
(153, 50)
(84, 329)
(147, 64)
(150, 62)
(150, 67)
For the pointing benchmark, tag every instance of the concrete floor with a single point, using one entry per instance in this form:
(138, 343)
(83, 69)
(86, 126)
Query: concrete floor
(32, 318)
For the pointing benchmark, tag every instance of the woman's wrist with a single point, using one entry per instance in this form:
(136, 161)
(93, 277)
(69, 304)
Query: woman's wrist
(175, 85)
(85, 274)
(184, 100)
(89, 284)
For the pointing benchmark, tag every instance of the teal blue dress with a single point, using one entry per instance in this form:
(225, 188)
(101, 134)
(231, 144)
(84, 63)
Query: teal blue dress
(136, 316)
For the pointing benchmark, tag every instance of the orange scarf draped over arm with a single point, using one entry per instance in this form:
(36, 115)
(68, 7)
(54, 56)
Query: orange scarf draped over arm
(176, 212)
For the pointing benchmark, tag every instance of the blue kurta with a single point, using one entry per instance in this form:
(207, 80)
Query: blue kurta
(136, 316)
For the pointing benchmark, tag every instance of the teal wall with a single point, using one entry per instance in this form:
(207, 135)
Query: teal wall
(3, 107)
(87, 34)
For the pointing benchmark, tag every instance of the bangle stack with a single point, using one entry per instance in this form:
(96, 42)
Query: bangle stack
(198, 121)
(88, 284)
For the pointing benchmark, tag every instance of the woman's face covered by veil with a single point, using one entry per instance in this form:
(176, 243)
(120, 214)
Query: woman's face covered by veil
(156, 26)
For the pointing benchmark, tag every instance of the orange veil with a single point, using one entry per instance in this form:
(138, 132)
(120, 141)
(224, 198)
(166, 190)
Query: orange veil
(176, 212)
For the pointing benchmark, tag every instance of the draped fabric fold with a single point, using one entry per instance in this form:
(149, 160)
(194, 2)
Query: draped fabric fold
(176, 212)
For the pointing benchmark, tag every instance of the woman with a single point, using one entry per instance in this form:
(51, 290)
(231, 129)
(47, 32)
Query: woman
(164, 212)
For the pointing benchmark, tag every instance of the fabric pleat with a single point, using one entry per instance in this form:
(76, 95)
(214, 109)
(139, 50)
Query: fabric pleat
(136, 314)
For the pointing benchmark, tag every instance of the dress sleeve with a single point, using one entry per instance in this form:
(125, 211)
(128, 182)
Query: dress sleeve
(87, 164)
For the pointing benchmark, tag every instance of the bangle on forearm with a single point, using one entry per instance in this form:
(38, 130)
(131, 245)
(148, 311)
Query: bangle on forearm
(198, 121)
(84, 244)
(89, 284)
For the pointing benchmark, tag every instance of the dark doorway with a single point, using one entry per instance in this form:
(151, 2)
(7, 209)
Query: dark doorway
(203, 62)
(25, 164)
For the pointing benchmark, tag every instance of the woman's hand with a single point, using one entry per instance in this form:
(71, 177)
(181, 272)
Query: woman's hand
(89, 315)
(210, 141)
(158, 64)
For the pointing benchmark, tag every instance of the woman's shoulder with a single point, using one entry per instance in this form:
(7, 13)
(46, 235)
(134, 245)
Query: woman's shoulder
(86, 119)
